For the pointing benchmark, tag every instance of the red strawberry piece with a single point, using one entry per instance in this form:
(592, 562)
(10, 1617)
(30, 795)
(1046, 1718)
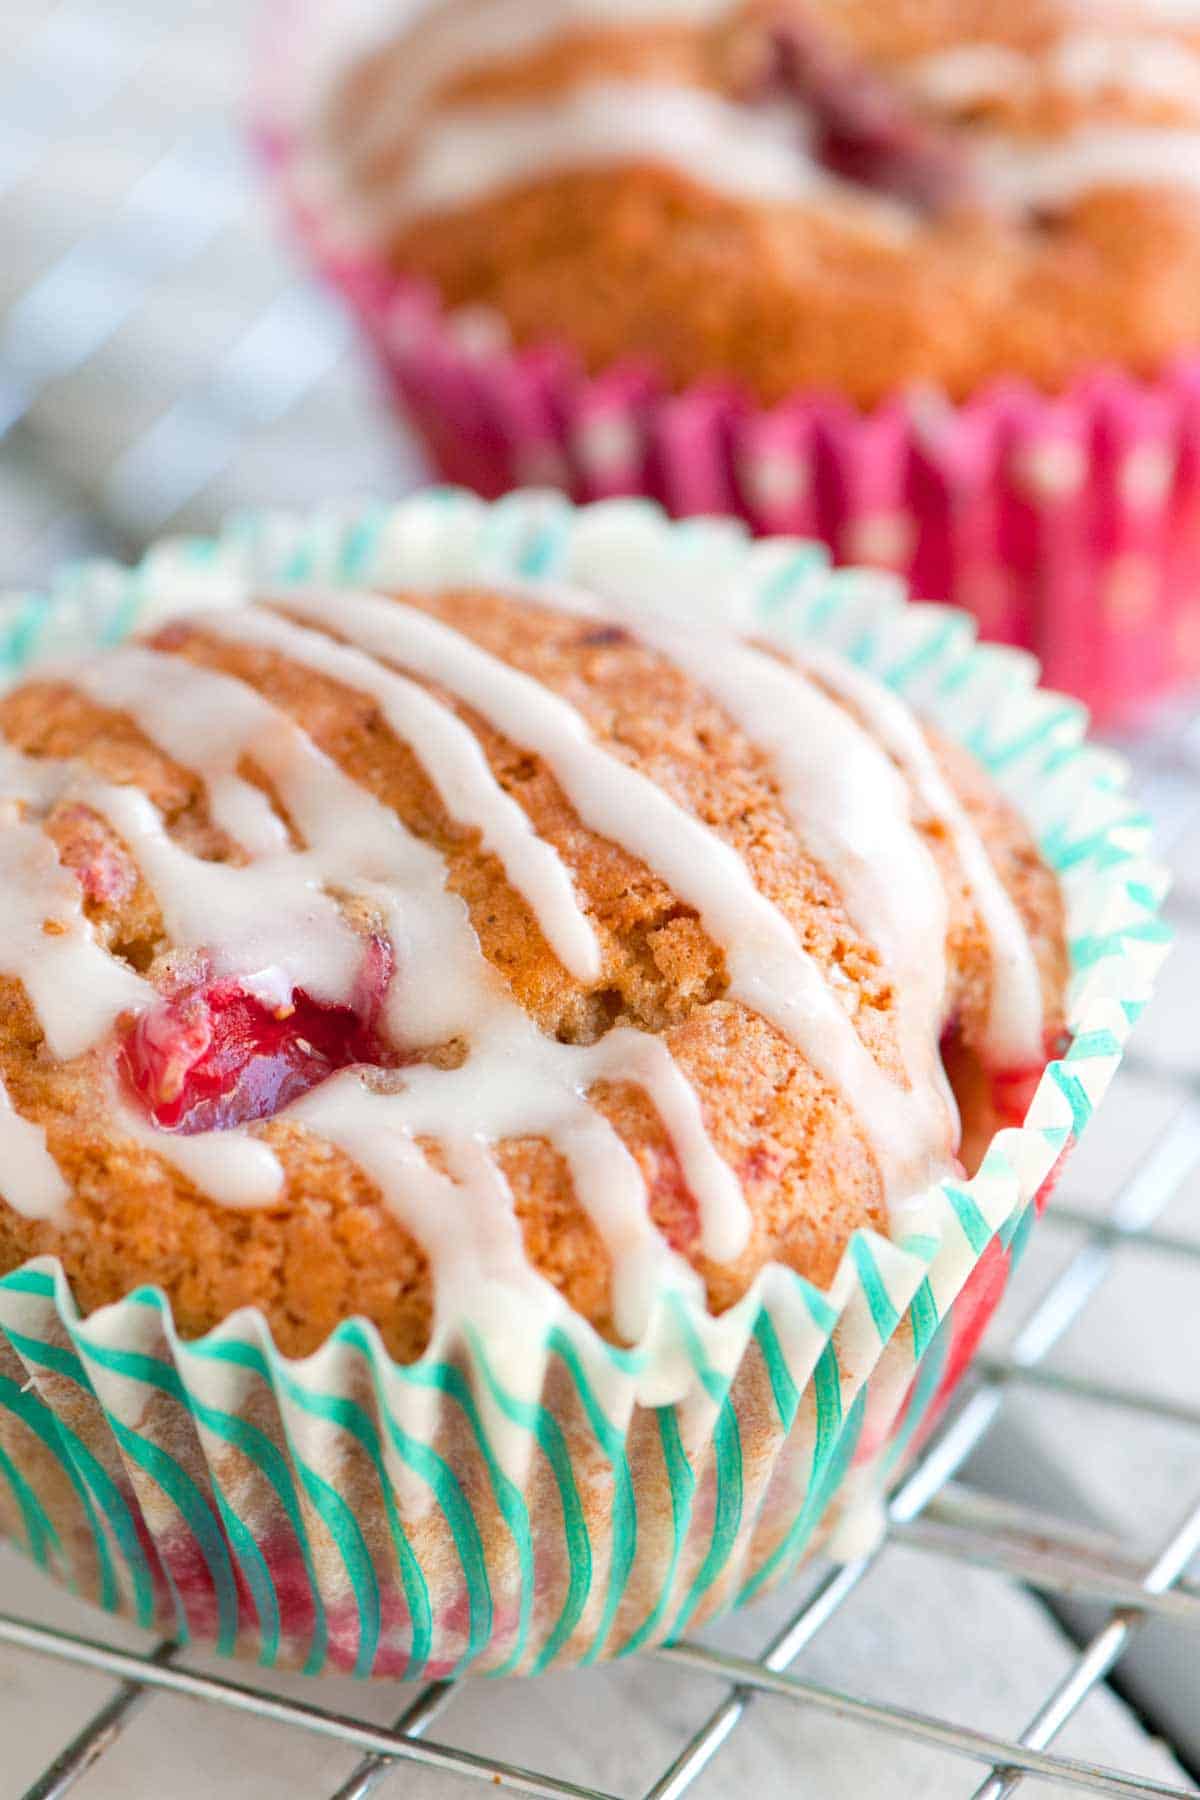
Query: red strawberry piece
(863, 127)
(211, 1055)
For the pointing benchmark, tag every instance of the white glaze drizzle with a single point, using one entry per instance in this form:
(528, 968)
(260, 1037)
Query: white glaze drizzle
(1014, 1028)
(456, 154)
(467, 152)
(236, 1168)
(769, 970)
(850, 812)
(1054, 172)
(853, 811)
(480, 1245)
(1087, 64)
(759, 152)
(76, 989)
(274, 933)
(749, 152)
(1179, 13)
(514, 1081)
(352, 843)
(215, 738)
(355, 844)
(511, 1086)
(633, 1056)
(442, 155)
(848, 802)
(518, 1083)
(450, 41)
(30, 1180)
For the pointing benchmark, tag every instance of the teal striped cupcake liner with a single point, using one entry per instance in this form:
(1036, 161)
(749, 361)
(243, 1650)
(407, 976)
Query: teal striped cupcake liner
(543, 1497)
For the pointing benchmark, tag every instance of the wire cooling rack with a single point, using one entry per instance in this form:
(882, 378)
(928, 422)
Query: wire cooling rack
(159, 359)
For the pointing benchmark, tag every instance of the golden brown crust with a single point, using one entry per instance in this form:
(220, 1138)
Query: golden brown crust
(641, 261)
(329, 1247)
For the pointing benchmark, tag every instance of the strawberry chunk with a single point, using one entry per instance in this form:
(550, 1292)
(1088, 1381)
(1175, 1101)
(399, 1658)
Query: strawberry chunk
(100, 864)
(862, 127)
(1013, 1091)
(212, 1056)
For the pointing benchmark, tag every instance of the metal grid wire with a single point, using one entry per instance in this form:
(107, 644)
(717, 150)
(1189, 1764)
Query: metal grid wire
(86, 296)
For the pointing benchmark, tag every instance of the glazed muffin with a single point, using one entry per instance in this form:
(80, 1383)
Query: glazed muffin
(499, 1086)
(920, 281)
(365, 954)
(792, 193)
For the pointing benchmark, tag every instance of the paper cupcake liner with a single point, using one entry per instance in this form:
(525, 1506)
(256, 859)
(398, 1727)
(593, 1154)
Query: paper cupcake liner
(521, 1497)
(1068, 525)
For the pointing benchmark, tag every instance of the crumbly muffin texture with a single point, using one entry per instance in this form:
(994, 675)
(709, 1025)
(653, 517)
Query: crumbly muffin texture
(791, 194)
(235, 821)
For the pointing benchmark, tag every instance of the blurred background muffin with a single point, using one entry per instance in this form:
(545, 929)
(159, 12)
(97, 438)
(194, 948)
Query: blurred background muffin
(792, 193)
(922, 280)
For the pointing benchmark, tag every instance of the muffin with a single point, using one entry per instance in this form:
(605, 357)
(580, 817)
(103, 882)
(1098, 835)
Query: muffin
(472, 1050)
(922, 280)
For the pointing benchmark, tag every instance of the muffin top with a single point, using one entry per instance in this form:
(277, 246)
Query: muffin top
(415, 955)
(789, 193)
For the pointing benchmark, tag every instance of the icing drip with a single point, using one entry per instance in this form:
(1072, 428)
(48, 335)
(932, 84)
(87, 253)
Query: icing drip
(446, 44)
(352, 842)
(514, 1081)
(627, 1055)
(845, 804)
(1087, 64)
(512, 1085)
(162, 692)
(273, 922)
(234, 1168)
(852, 810)
(1052, 173)
(753, 152)
(76, 989)
(769, 970)
(1014, 1027)
(463, 1219)
(829, 130)
(1182, 13)
(274, 929)
(30, 1179)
